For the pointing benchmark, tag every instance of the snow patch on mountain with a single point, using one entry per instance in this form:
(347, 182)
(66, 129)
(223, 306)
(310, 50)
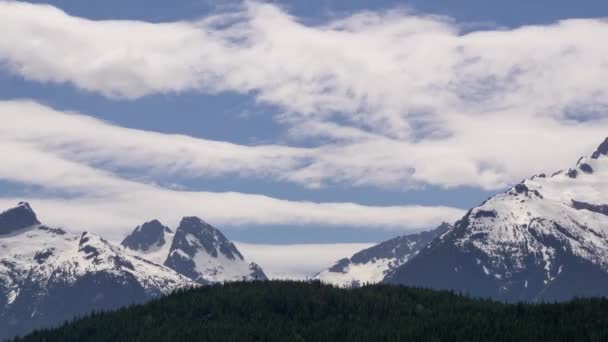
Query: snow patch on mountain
(371, 265)
(41, 254)
(356, 274)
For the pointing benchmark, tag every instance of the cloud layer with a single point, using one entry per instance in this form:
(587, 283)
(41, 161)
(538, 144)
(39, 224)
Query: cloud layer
(391, 99)
(68, 159)
(397, 98)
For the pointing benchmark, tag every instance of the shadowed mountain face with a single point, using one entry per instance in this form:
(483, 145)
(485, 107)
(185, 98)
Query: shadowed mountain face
(544, 239)
(372, 264)
(14, 219)
(48, 275)
(148, 235)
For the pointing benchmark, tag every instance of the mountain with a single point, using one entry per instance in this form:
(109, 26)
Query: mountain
(371, 265)
(48, 275)
(544, 239)
(151, 240)
(196, 249)
(17, 218)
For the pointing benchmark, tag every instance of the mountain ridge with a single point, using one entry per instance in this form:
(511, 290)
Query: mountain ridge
(49, 275)
(371, 265)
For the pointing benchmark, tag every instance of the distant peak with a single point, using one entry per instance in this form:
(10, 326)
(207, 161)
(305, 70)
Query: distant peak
(19, 217)
(209, 238)
(189, 220)
(601, 150)
(256, 272)
(155, 225)
(195, 225)
(24, 205)
(149, 234)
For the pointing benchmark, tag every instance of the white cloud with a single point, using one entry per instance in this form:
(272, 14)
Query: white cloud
(298, 261)
(116, 214)
(404, 99)
(123, 203)
(62, 155)
(85, 139)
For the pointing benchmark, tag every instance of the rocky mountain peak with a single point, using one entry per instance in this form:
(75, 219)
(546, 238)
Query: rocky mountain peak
(148, 235)
(601, 150)
(202, 253)
(256, 272)
(194, 234)
(19, 217)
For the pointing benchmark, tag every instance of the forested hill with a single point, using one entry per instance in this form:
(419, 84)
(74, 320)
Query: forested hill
(297, 311)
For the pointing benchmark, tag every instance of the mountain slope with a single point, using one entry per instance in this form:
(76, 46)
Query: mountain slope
(48, 275)
(544, 239)
(371, 265)
(196, 249)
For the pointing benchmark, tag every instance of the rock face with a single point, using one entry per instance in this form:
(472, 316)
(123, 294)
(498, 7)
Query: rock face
(48, 275)
(544, 239)
(373, 264)
(196, 249)
(150, 235)
(14, 219)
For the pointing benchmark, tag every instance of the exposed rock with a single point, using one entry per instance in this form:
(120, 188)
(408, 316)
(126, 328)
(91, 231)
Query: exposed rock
(485, 213)
(17, 218)
(148, 235)
(586, 168)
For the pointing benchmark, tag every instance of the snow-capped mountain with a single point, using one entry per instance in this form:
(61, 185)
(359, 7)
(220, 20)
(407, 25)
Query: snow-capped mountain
(544, 239)
(152, 240)
(48, 275)
(372, 264)
(196, 250)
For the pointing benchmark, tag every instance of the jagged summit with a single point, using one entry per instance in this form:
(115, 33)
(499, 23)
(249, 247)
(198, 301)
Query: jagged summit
(196, 250)
(19, 217)
(207, 237)
(203, 253)
(543, 239)
(147, 236)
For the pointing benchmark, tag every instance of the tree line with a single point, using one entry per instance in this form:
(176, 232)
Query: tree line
(311, 311)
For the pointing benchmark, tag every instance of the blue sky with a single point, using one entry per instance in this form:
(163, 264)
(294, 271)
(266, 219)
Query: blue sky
(355, 120)
(503, 13)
